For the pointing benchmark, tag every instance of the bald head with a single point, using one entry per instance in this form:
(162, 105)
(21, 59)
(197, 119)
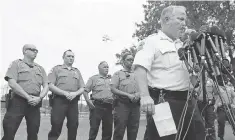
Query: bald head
(28, 46)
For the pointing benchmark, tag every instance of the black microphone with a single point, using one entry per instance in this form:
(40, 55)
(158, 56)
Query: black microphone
(215, 31)
(219, 39)
(182, 52)
(183, 55)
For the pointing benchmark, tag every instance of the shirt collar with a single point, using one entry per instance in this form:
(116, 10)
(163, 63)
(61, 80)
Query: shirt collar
(163, 36)
(124, 70)
(65, 67)
(106, 77)
(34, 64)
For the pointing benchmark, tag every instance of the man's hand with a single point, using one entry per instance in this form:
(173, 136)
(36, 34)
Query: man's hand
(90, 104)
(131, 97)
(67, 95)
(147, 105)
(136, 98)
(34, 100)
(72, 95)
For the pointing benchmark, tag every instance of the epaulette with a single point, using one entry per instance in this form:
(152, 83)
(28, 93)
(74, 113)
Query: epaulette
(57, 66)
(95, 75)
(74, 68)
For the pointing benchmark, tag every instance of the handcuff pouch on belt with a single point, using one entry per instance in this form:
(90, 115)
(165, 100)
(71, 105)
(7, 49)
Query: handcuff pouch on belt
(51, 97)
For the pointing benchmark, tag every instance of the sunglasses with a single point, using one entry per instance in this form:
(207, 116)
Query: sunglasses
(33, 50)
(130, 59)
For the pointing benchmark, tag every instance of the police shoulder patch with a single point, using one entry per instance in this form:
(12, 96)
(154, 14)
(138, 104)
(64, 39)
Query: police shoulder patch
(140, 46)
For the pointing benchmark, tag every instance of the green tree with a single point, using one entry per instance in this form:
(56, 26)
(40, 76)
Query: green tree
(132, 50)
(220, 13)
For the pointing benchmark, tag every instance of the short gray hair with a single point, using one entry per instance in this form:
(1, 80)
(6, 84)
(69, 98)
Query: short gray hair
(169, 12)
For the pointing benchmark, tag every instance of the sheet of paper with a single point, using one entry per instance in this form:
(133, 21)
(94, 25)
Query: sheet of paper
(164, 120)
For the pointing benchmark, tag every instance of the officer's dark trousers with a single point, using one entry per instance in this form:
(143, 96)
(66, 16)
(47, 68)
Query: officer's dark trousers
(126, 115)
(17, 109)
(176, 104)
(221, 121)
(102, 111)
(61, 108)
(209, 115)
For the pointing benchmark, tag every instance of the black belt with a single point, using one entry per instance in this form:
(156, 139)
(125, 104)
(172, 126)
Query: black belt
(63, 97)
(101, 102)
(177, 95)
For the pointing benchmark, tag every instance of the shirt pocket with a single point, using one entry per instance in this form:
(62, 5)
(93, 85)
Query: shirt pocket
(76, 79)
(128, 85)
(99, 86)
(24, 75)
(62, 78)
(169, 58)
(39, 77)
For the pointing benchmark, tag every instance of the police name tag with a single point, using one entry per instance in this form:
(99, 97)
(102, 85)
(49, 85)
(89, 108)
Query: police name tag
(164, 120)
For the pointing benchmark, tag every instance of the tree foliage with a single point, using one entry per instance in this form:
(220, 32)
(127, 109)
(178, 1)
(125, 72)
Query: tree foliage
(220, 13)
(132, 50)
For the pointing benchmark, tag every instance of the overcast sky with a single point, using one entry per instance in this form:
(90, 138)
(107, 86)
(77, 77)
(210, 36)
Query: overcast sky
(57, 25)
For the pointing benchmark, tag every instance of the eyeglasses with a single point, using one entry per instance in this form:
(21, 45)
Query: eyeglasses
(33, 50)
(130, 59)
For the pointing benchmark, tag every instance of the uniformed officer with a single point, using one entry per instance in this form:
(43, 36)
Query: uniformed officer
(25, 77)
(207, 110)
(66, 85)
(126, 101)
(227, 95)
(100, 103)
(160, 73)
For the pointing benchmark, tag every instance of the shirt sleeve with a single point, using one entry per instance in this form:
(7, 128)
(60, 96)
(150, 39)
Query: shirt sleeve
(44, 76)
(145, 56)
(89, 85)
(52, 76)
(12, 71)
(115, 79)
(81, 81)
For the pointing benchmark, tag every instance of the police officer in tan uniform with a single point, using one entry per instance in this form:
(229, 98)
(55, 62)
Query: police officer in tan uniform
(100, 103)
(25, 77)
(66, 85)
(227, 95)
(126, 101)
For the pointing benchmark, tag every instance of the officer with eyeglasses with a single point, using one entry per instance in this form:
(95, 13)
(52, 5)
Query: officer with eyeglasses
(25, 77)
(126, 101)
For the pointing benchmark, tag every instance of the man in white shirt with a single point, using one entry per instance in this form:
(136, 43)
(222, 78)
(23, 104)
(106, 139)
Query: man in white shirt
(158, 68)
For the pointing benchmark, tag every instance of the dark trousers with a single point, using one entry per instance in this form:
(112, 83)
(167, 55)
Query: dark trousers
(209, 115)
(222, 117)
(126, 115)
(221, 121)
(17, 109)
(176, 105)
(61, 108)
(102, 111)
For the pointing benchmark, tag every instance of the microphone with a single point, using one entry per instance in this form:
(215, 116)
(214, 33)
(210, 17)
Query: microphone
(215, 31)
(183, 55)
(219, 39)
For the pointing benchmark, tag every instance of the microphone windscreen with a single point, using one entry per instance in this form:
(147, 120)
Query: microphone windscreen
(222, 33)
(204, 28)
(215, 30)
(182, 53)
(194, 36)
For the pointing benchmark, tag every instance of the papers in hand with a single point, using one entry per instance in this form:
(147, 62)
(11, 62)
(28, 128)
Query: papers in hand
(164, 120)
